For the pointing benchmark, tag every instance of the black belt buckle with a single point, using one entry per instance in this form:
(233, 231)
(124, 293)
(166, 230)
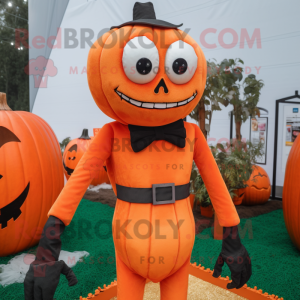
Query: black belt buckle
(163, 185)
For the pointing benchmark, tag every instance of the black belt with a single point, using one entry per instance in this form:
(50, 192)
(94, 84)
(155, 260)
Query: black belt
(159, 193)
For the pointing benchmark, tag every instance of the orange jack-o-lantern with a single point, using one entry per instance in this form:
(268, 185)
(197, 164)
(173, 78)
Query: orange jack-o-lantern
(31, 177)
(147, 76)
(259, 189)
(291, 194)
(73, 153)
(239, 196)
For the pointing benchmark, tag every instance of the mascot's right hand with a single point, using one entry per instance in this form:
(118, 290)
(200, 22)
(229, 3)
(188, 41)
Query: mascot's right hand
(42, 279)
(43, 276)
(237, 258)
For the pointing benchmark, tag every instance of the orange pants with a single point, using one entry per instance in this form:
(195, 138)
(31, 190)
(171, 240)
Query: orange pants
(131, 285)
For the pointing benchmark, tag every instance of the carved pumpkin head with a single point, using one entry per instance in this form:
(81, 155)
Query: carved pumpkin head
(239, 196)
(144, 75)
(73, 153)
(259, 187)
(31, 177)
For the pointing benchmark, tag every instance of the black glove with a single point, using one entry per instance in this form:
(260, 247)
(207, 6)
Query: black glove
(236, 257)
(43, 276)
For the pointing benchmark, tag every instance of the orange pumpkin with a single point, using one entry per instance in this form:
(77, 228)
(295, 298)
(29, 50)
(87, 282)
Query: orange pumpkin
(73, 153)
(207, 211)
(291, 194)
(259, 190)
(31, 177)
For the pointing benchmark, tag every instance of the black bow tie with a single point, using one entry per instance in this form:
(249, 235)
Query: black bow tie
(141, 136)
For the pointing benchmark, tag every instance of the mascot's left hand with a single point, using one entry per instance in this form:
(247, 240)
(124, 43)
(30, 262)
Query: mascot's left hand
(236, 257)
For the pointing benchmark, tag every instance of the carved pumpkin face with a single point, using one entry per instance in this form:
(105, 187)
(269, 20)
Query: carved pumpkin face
(259, 189)
(71, 160)
(146, 76)
(239, 196)
(13, 209)
(74, 151)
(31, 178)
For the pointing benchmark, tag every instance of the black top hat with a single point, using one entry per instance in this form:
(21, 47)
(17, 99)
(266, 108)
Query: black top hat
(143, 13)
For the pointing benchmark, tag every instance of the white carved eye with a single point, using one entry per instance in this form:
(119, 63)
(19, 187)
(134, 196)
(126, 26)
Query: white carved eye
(181, 62)
(140, 60)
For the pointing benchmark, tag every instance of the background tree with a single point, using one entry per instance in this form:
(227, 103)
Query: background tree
(245, 106)
(212, 97)
(64, 144)
(13, 80)
(223, 87)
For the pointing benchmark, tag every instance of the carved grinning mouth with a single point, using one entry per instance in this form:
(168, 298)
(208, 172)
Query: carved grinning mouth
(13, 210)
(69, 171)
(153, 105)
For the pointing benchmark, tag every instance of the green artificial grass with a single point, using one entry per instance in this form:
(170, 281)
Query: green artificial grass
(276, 262)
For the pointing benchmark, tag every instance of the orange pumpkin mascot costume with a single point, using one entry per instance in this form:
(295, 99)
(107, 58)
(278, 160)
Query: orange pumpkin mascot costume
(148, 75)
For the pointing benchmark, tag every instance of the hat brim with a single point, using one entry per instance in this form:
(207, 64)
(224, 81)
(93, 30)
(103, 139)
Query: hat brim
(151, 22)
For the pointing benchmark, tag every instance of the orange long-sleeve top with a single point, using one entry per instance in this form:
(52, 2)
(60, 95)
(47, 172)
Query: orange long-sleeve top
(112, 145)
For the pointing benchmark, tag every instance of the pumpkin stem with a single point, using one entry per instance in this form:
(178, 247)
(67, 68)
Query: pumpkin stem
(85, 135)
(3, 102)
